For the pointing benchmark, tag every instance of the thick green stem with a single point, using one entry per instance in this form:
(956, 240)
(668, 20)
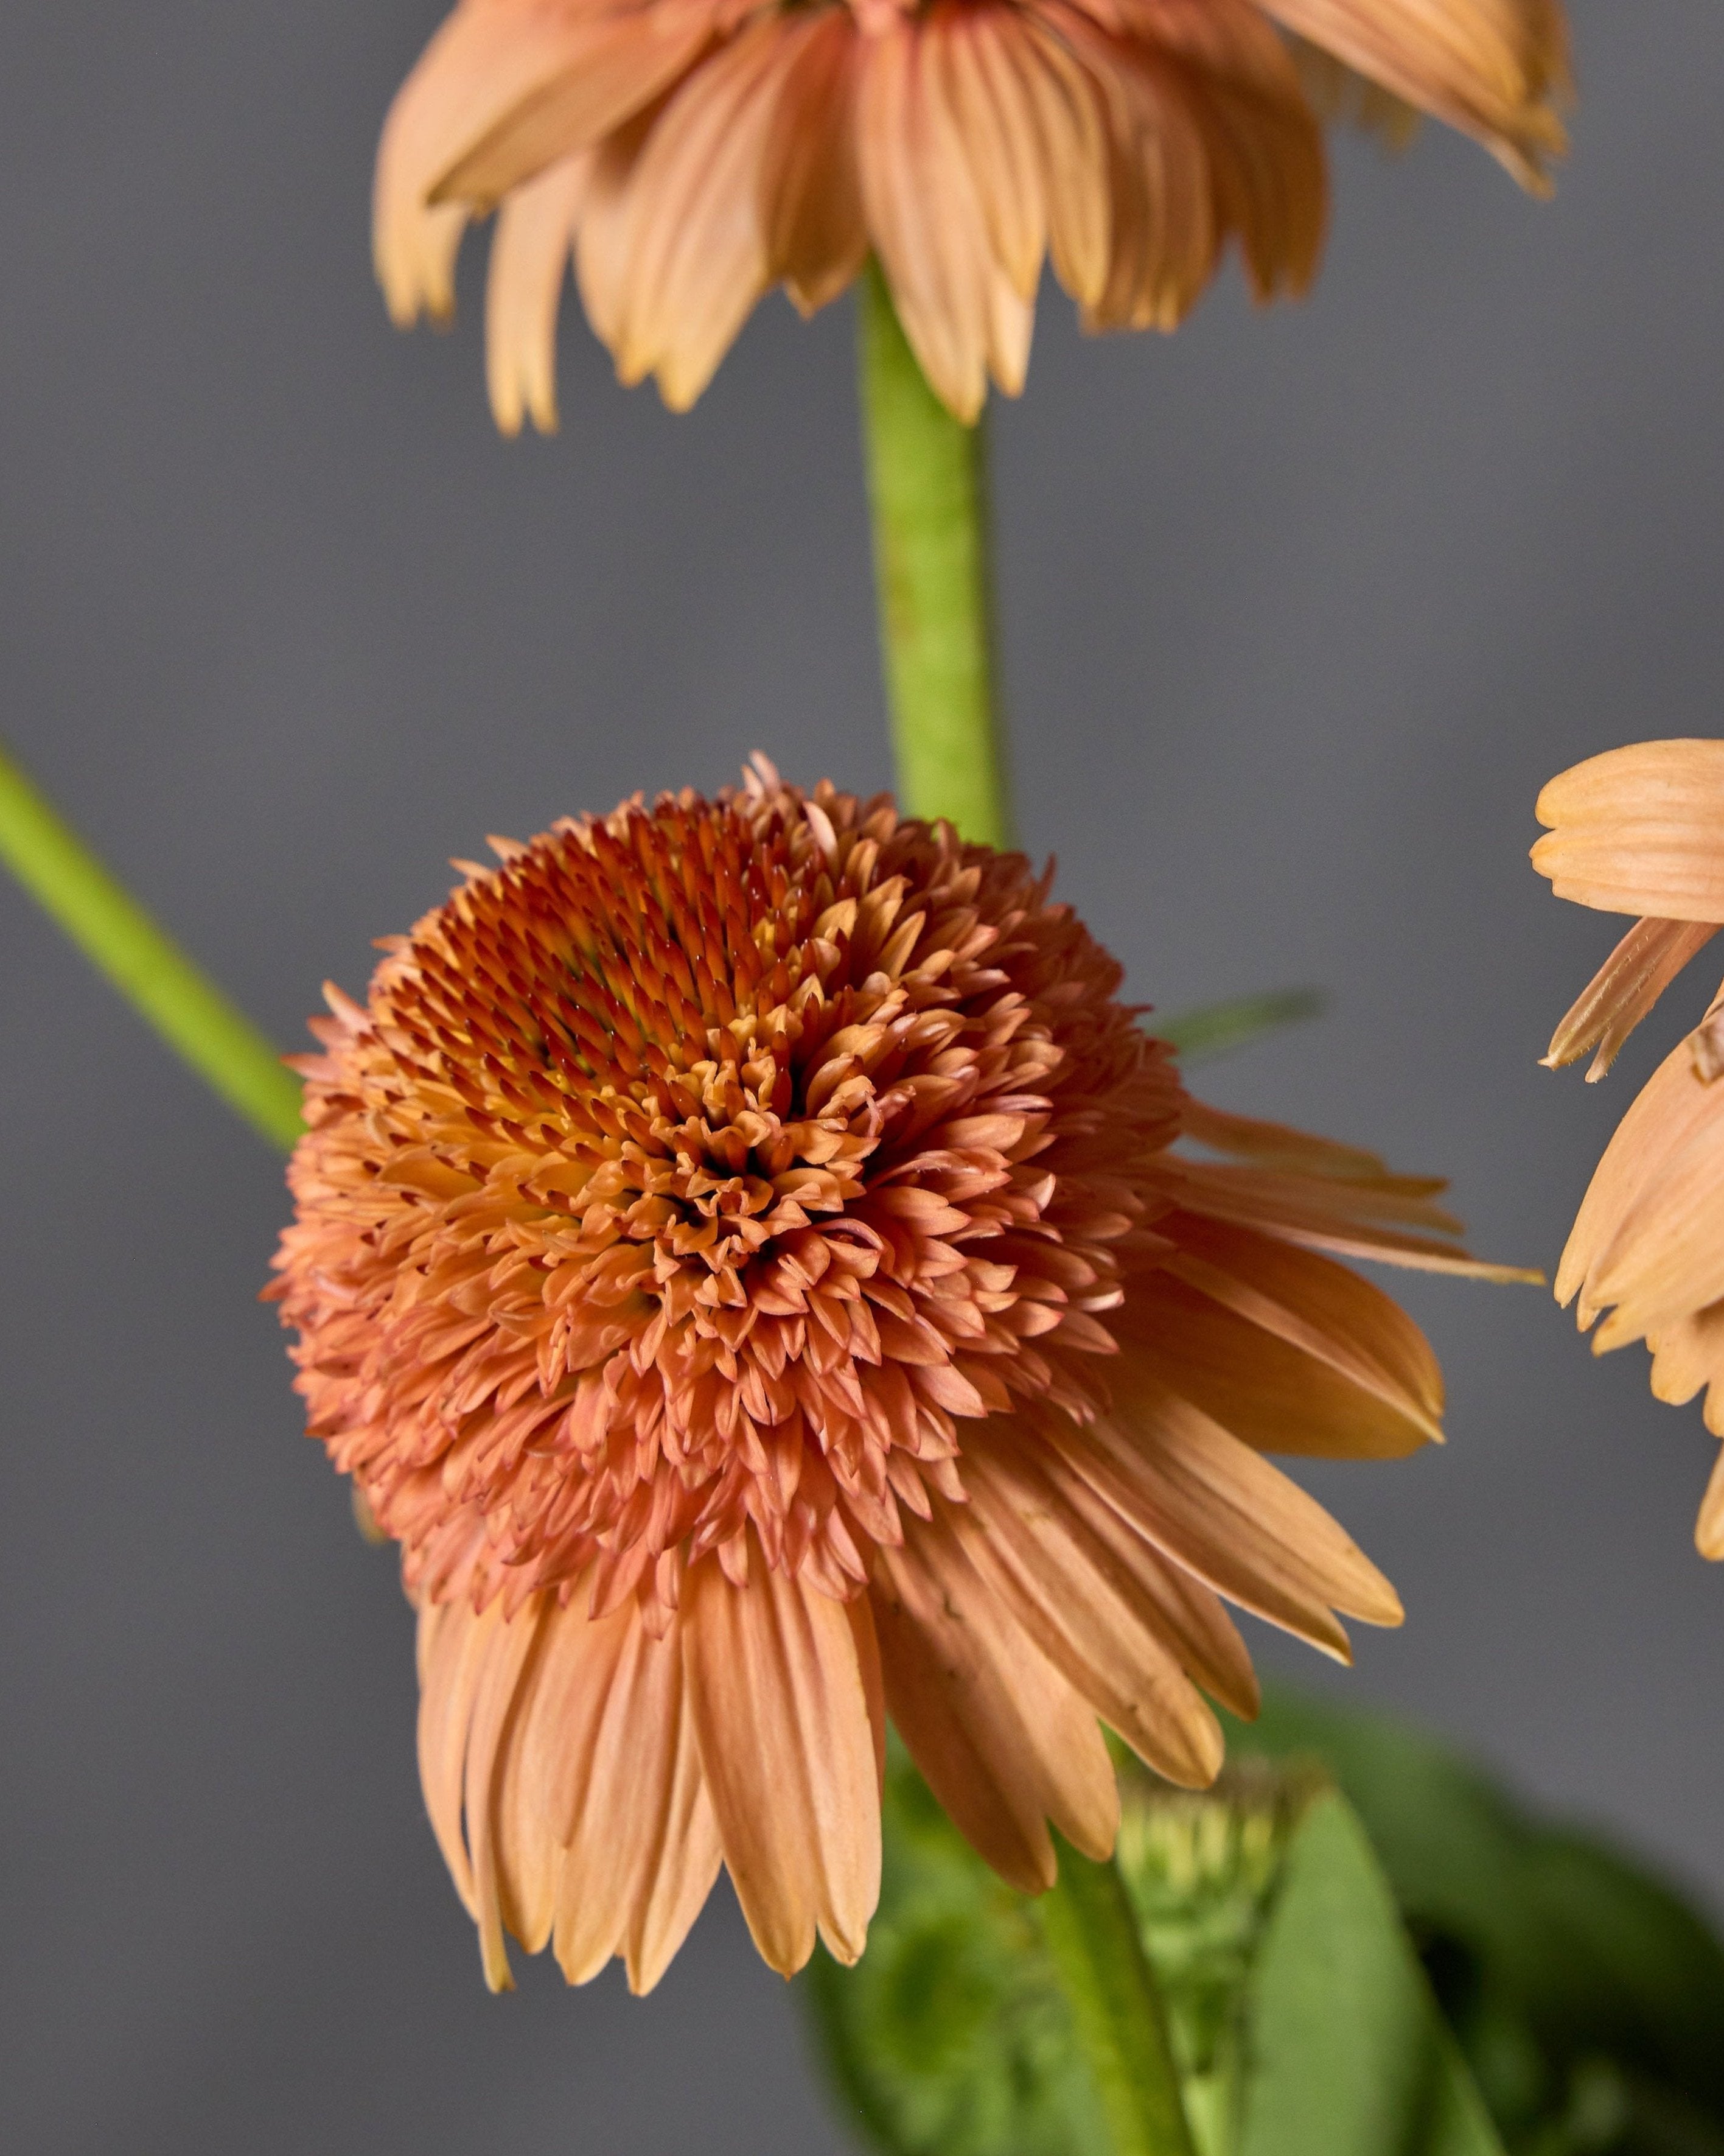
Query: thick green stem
(158, 979)
(927, 484)
(1116, 2009)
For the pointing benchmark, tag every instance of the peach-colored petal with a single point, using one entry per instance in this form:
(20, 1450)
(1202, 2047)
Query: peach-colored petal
(982, 82)
(1219, 1509)
(695, 241)
(811, 197)
(1087, 1613)
(789, 1751)
(614, 1760)
(530, 259)
(1688, 1355)
(1496, 70)
(1623, 990)
(1060, 104)
(603, 66)
(1672, 1109)
(1338, 94)
(1004, 1742)
(487, 55)
(1274, 1393)
(1355, 1220)
(1666, 1257)
(1638, 830)
(959, 311)
(508, 1650)
(1323, 1311)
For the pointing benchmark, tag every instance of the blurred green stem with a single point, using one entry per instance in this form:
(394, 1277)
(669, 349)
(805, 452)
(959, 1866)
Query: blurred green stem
(154, 976)
(1116, 2010)
(927, 484)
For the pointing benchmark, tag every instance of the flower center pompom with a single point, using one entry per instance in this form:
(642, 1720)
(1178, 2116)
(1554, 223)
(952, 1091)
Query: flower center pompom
(702, 1168)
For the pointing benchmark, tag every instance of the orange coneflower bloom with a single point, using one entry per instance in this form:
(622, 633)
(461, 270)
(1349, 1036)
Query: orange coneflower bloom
(1641, 830)
(693, 153)
(746, 1255)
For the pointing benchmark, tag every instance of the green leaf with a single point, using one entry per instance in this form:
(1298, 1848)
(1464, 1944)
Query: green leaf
(1349, 2056)
(1588, 1998)
(1217, 1029)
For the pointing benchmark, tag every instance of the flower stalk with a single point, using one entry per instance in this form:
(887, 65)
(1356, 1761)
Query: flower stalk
(927, 486)
(1116, 2010)
(148, 968)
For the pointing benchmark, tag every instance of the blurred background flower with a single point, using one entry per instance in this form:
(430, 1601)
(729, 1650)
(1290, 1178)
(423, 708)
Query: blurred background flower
(692, 154)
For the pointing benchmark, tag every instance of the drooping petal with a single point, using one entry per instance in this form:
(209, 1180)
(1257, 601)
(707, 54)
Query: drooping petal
(1623, 990)
(486, 56)
(1283, 1385)
(810, 188)
(613, 1751)
(956, 304)
(1496, 70)
(1219, 1509)
(789, 1747)
(1005, 1743)
(1086, 1612)
(530, 259)
(1666, 1257)
(1638, 830)
(594, 69)
(1688, 1355)
(695, 240)
(1672, 1108)
(981, 81)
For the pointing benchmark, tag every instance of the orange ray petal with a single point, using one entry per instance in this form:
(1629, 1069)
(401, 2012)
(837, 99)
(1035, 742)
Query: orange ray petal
(1637, 830)
(594, 72)
(530, 258)
(1005, 1743)
(789, 1749)
(1087, 1613)
(1496, 70)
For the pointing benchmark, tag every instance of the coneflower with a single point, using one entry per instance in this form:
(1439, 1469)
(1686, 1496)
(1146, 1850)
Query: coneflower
(749, 1258)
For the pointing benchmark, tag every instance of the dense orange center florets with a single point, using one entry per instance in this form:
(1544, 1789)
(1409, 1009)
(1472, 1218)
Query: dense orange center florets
(702, 1168)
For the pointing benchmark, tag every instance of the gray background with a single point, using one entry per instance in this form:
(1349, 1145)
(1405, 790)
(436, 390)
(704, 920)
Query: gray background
(1300, 609)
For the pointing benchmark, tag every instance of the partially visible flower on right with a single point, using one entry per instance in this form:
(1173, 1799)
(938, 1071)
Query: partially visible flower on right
(1641, 831)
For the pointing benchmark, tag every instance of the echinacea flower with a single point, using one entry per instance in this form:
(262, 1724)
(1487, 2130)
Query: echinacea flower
(1640, 830)
(693, 154)
(746, 1255)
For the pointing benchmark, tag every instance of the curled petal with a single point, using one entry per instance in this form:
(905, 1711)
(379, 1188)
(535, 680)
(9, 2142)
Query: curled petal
(1623, 990)
(1636, 830)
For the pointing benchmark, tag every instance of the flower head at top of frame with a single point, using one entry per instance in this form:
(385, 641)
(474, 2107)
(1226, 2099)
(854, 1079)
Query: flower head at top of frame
(1640, 830)
(692, 154)
(751, 1261)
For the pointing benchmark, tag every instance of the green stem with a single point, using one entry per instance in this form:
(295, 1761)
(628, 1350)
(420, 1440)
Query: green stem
(927, 484)
(109, 926)
(1115, 2008)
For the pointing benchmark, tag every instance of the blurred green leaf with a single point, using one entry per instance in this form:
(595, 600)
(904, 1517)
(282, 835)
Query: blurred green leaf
(1588, 1998)
(1349, 2055)
(1216, 1029)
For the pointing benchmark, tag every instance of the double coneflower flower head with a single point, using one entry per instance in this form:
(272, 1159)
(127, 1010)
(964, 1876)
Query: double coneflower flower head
(1641, 831)
(692, 154)
(750, 1259)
